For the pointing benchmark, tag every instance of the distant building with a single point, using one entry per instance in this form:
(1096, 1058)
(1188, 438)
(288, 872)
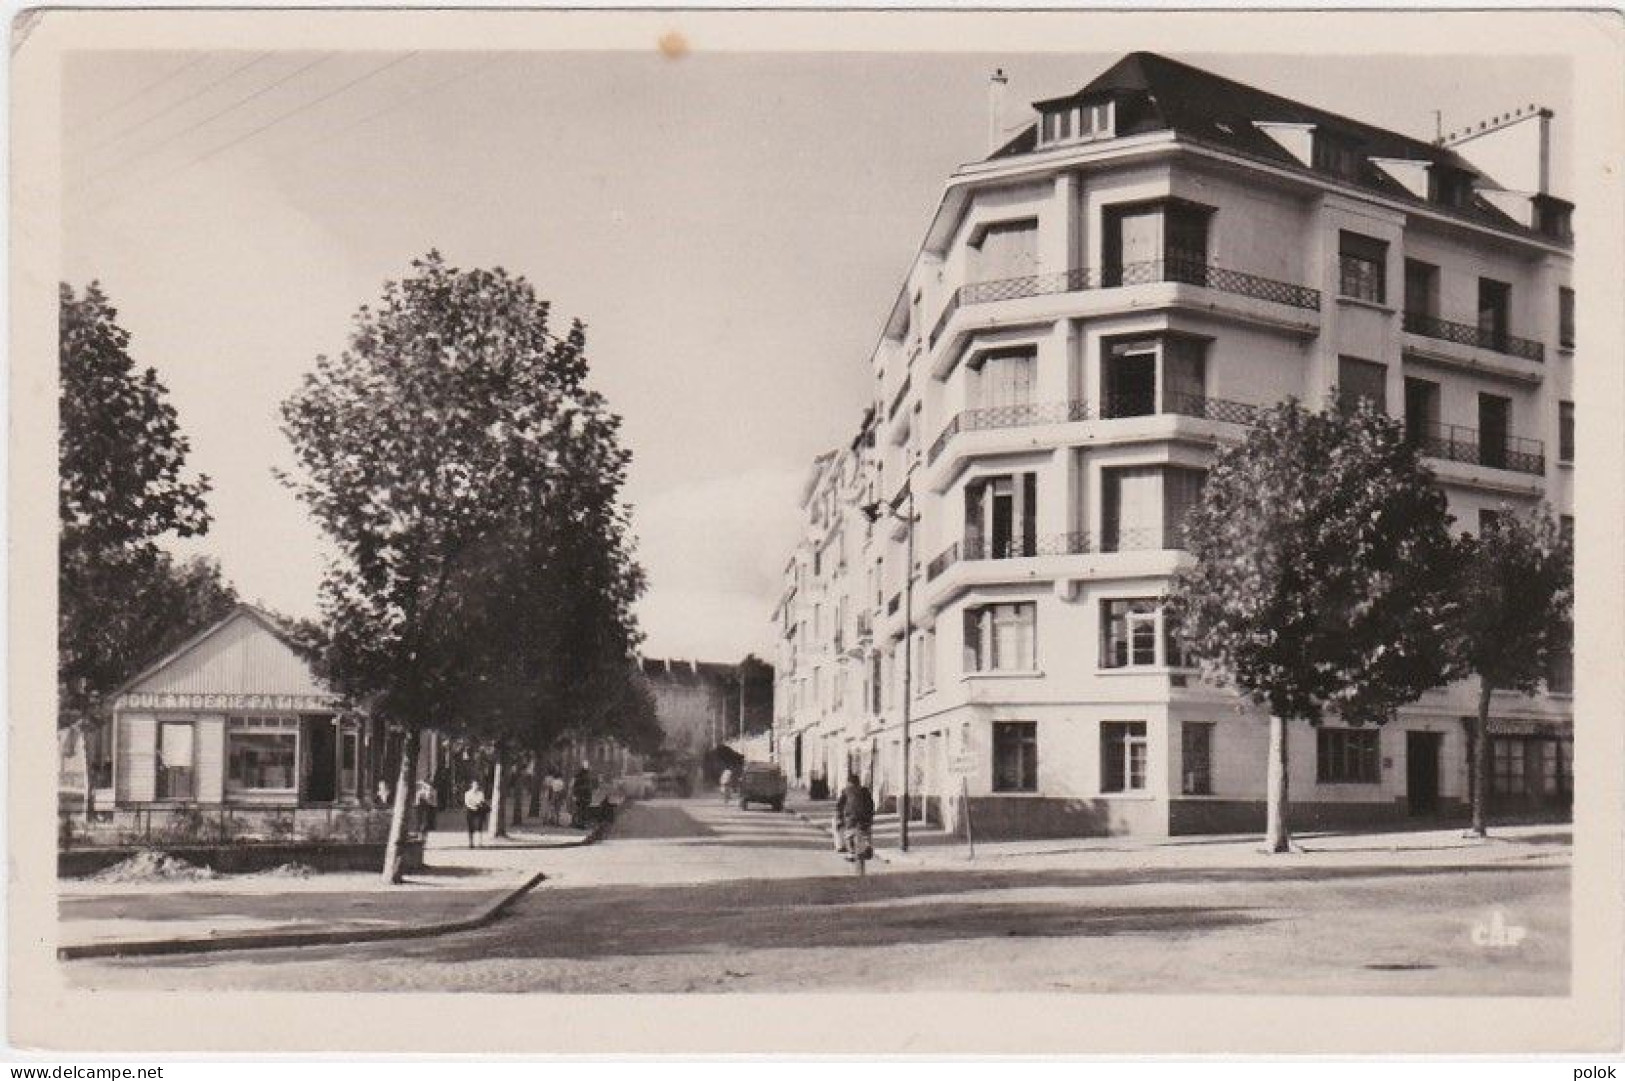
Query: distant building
(695, 701)
(1097, 307)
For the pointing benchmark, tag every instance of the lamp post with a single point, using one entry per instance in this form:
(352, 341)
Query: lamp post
(872, 512)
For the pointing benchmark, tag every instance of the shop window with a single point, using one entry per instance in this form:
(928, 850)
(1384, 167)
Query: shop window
(1196, 758)
(262, 754)
(1362, 267)
(1508, 768)
(177, 760)
(1123, 756)
(1015, 756)
(1347, 756)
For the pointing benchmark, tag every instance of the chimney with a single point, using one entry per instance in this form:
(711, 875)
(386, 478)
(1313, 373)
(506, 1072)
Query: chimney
(996, 84)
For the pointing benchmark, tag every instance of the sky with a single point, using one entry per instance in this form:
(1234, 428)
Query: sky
(731, 228)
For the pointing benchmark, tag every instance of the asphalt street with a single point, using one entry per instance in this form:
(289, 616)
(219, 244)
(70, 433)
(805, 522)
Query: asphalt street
(693, 895)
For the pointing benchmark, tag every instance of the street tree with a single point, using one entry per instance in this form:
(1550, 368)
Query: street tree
(123, 485)
(1512, 620)
(434, 450)
(1320, 575)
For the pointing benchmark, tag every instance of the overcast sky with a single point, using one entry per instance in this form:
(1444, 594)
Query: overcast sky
(732, 229)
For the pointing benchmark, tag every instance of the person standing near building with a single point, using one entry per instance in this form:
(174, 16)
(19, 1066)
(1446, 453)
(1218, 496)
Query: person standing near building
(855, 811)
(426, 807)
(475, 805)
(726, 783)
(581, 797)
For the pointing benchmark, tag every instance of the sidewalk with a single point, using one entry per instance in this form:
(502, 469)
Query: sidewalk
(932, 848)
(458, 887)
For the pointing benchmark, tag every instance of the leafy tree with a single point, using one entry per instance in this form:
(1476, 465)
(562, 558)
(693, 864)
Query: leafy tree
(121, 600)
(1320, 575)
(443, 451)
(1515, 597)
(754, 680)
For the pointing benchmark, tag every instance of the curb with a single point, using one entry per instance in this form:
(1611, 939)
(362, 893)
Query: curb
(268, 940)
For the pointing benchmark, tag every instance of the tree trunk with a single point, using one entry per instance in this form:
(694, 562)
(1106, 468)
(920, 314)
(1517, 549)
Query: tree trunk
(1276, 838)
(1481, 761)
(401, 805)
(87, 736)
(495, 825)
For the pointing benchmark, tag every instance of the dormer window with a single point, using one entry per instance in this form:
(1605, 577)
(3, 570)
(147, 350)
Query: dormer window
(1554, 217)
(1449, 187)
(1336, 156)
(1075, 122)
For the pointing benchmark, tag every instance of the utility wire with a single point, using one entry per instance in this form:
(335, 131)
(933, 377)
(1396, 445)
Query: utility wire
(139, 94)
(479, 67)
(268, 125)
(211, 118)
(172, 106)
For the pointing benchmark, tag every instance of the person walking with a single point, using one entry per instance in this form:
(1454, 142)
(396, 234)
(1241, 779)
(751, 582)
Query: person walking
(476, 806)
(726, 782)
(426, 807)
(855, 811)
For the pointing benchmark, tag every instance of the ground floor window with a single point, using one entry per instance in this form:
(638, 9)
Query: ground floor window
(1123, 756)
(1196, 758)
(177, 760)
(1523, 766)
(262, 754)
(1015, 756)
(1347, 756)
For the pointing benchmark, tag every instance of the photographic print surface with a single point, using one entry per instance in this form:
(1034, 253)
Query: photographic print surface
(571, 517)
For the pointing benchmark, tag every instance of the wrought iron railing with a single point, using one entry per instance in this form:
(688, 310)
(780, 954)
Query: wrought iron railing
(948, 557)
(1454, 443)
(902, 392)
(1023, 415)
(1144, 404)
(1188, 270)
(1155, 538)
(1429, 326)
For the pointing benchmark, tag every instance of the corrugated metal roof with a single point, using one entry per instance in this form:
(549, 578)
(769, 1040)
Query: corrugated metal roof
(242, 654)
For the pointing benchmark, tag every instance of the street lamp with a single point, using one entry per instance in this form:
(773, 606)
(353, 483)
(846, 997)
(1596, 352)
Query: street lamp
(872, 512)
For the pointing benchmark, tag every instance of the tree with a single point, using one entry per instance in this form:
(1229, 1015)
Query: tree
(752, 681)
(122, 485)
(1512, 621)
(440, 451)
(1320, 575)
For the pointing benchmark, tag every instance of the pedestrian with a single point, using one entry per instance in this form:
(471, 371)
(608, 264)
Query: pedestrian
(727, 784)
(476, 806)
(855, 810)
(383, 793)
(581, 795)
(554, 798)
(426, 807)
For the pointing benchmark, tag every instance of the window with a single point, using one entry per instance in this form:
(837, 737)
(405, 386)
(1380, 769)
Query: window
(1565, 317)
(1494, 304)
(1347, 756)
(1181, 492)
(1153, 242)
(999, 638)
(1421, 410)
(1015, 756)
(1196, 758)
(1363, 264)
(1560, 672)
(1130, 377)
(1488, 521)
(1176, 653)
(1565, 431)
(1004, 250)
(1128, 632)
(925, 662)
(876, 684)
(1508, 767)
(261, 754)
(1421, 288)
(1565, 525)
(177, 760)
(1554, 217)
(1494, 429)
(1123, 756)
(1449, 187)
(1131, 509)
(1333, 155)
(1001, 517)
(1357, 379)
(1004, 382)
(1079, 122)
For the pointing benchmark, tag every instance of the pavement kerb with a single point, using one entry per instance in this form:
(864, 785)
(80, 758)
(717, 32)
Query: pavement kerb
(268, 940)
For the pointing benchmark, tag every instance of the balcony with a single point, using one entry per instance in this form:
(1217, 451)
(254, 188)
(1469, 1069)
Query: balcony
(1443, 330)
(975, 549)
(1007, 416)
(1181, 270)
(1453, 443)
(1142, 404)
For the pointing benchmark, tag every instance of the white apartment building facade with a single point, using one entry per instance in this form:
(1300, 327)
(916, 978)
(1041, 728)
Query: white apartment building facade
(1096, 308)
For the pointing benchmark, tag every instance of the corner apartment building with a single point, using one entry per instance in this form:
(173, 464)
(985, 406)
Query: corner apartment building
(1095, 309)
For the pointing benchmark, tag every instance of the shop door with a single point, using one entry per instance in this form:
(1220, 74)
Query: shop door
(320, 759)
(1422, 772)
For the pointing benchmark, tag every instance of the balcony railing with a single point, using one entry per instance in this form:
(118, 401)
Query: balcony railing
(1467, 334)
(948, 557)
(1188, 270)
(1143, 404)
(893, 604)
(902, 392)
(1023, 415)
(1454, 443)
(976, 549)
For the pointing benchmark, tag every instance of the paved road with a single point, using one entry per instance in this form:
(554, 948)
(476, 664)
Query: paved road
(695, 896)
